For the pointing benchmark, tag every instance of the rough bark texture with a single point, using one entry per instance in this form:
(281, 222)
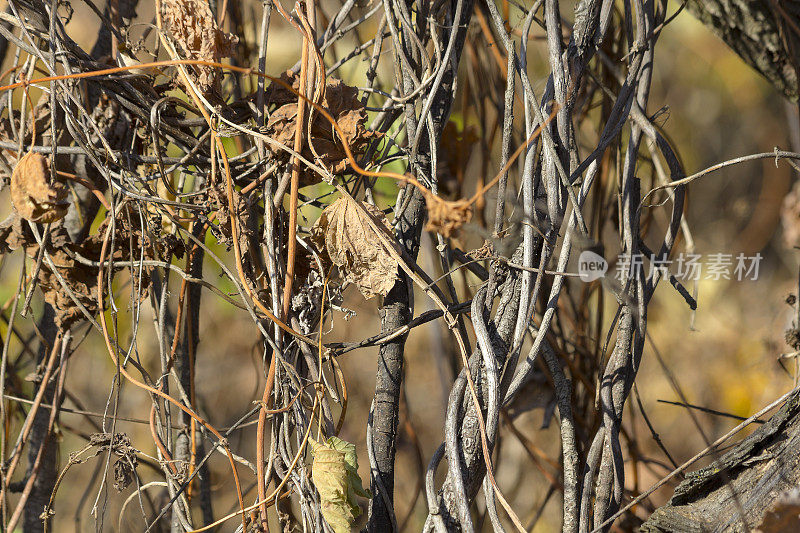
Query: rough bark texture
(758, 470)
(41, 436)
(397, 309)
(501, 329)
(762, 32)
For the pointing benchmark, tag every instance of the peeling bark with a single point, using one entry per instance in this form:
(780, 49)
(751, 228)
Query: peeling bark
(758, 471)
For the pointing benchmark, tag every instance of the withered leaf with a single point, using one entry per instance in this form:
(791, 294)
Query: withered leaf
(123, 475)
(335, 475)
(446, 217)
(33, 196)
(131, 243)
(195, 30)
(341, 101)
(352, 244)
(37, 121)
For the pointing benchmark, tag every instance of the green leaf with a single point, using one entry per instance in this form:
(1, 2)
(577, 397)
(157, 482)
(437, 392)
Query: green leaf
(335, 474)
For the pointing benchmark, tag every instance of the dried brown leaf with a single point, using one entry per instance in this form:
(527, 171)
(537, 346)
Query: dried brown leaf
(218, 198)
(195, 30)
(33, 196)
(446, 217)
(348, 238)
(341, 101)
(131, 243)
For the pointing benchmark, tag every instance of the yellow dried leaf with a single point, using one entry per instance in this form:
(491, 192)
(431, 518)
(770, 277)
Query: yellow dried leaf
(33, 196)
(194, 29)
(353, 245)
(335, 475)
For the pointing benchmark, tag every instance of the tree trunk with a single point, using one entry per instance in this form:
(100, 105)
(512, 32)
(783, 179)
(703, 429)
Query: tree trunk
(41, 436)
(397, 307)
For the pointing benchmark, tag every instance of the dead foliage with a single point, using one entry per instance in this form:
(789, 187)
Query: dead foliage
(120, 445)
(218, 200)
(349, 241)
(35, 196)
(446, 217)
(341, 101)
(198, 36)
(76, 264)
(335, 475)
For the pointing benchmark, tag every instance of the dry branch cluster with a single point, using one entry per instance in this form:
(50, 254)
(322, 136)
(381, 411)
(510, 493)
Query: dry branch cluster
(135, 190)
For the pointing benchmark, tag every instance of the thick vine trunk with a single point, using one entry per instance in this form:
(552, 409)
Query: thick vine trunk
(41, 437)
(397, 308)
(764, 33)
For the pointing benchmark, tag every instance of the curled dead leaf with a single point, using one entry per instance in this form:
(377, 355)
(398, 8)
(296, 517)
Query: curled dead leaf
(335, 475)
(341, 101)
(33, 196)
(196, 32)
(446, 217)
(352, 244)
(79, 291)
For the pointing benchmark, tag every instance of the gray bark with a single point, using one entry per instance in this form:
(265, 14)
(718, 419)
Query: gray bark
(41, 436)
(758, 471)
(762, 32)
(473, 467)
(397, 309)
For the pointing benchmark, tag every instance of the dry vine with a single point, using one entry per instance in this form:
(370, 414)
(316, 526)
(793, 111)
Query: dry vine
(152, 164)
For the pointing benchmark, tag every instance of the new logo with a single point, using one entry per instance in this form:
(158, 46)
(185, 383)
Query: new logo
(591, 266)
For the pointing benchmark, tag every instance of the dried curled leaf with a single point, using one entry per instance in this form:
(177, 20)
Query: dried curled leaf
(335, 474)
(11, 126)
(33, 196)
(446, 217)
(131, 243)
(352, 244)
(195, 30)
(341, 101)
